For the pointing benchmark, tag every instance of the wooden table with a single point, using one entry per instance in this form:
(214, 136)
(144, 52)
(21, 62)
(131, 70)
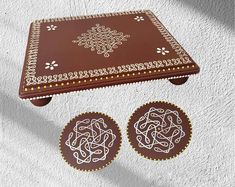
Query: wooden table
(76, 53)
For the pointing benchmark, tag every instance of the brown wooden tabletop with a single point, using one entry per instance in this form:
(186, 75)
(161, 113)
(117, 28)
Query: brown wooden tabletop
(76, 53)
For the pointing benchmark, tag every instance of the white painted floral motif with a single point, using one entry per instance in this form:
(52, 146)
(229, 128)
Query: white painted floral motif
(102, 39)
(139, 18)
(51, 27)
(159, 130)
(162, 50)
(51, 65)
(90, 140)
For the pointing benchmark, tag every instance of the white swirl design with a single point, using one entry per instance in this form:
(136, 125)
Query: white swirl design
(101, 39)
(159, 129)
(90, 140)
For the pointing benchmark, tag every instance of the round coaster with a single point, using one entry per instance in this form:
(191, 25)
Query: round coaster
(90, 141)
(159, 130)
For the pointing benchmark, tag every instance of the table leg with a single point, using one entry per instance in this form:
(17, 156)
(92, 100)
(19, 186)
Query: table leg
(178, 81)
(41, 102)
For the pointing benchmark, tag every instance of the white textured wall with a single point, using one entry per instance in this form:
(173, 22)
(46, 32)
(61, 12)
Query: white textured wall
(29, 135)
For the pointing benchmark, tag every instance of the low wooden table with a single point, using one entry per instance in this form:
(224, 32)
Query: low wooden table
(76, 53)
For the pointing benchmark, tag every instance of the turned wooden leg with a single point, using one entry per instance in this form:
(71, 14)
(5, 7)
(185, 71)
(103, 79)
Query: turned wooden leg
(41, 102)
(178, 81)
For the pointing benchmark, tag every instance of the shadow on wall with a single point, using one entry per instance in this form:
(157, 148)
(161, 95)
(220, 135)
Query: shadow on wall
(29, 120)
(122, 176)
(222, 11)
(49, 132)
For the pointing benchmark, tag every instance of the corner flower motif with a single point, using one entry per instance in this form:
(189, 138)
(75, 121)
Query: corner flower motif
(162, 50)
(51, 65)
(51, 27)
(139, 18)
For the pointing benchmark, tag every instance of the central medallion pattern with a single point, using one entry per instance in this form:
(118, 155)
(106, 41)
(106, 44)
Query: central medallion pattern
(159, 130)
(101, 39)
(91, 140)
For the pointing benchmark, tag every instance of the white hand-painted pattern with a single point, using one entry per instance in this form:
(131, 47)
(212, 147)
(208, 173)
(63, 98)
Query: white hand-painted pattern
(51, 27)
(90, 140)
(162, 50)
(51, 65)
(102, 39)
(159, 130)
(139, 18)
